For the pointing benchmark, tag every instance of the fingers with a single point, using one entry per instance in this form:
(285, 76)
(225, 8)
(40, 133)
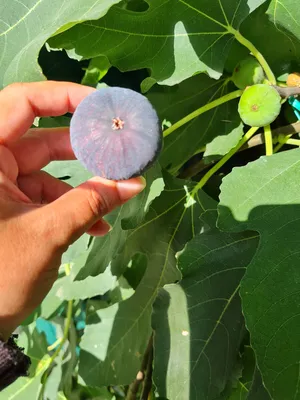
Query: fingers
(47, 144)
(41, 187)
(79, 209)
(8, 165)
(20, 103)
(11, 197)
(100, 228)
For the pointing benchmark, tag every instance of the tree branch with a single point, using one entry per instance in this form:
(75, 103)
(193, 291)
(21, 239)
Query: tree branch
(256, 140)
(287, 91)
(134, 386)
(287, 129)
(148, 377)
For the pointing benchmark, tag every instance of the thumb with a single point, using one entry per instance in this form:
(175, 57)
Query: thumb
(79, 209)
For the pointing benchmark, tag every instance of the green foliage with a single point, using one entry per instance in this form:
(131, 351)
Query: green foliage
(175, 39)
(174, 103)
(170, 223)
(202, 317)
(25, 26)
(196, 285)
(269, 290)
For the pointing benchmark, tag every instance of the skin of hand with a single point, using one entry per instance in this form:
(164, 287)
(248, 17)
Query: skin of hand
(40, 216)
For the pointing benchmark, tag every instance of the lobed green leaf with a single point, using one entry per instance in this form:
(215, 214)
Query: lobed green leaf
(26, 25)
(264, 196)
(121, 332)
(175, 39)
(198, 323)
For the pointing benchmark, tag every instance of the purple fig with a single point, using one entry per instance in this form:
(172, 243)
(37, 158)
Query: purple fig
(116, 133)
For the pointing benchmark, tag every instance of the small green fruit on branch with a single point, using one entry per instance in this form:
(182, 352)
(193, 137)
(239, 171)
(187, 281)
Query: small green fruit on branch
(248, 72)
(259, 105)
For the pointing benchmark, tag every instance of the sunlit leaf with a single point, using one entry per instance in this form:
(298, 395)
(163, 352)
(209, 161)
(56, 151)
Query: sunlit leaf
(175, 39)
(25, 26)
(122, 331)
(264, 196)
(198, 323)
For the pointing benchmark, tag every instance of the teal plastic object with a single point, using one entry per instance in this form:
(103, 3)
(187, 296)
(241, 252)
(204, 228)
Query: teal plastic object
(295, 103)
(80, 319)
(46, 327)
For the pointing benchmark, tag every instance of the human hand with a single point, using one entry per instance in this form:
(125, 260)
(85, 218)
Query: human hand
(40, 216)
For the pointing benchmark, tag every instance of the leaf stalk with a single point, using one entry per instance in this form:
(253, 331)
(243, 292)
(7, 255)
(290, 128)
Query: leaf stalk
(224, 159)
(260, 58)
(268, 140)
(202, 110)
(295, 142)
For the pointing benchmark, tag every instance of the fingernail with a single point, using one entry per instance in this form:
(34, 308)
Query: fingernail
(104, 228)
(107, 227)
(130, 188)
(101, 228)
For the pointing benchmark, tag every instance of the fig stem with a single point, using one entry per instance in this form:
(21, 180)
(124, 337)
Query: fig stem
(224, 159)
(202, 110)
(268, 140)
(260, 58)
(294, 142)
(282, 139)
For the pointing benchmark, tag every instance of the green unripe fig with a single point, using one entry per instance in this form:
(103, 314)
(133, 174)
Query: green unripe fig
(248, 72)
(259, 105)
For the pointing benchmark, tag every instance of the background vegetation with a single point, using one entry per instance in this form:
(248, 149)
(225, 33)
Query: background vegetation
(197, 285)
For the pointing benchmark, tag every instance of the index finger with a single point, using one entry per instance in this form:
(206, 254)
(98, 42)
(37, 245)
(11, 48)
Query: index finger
(20, 103)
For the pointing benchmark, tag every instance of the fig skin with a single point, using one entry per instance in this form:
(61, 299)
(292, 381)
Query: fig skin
(248, 72)
(116, 133)
(259, 105)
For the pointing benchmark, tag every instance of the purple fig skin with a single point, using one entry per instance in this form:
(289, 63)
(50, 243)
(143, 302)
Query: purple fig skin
(116, 133)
